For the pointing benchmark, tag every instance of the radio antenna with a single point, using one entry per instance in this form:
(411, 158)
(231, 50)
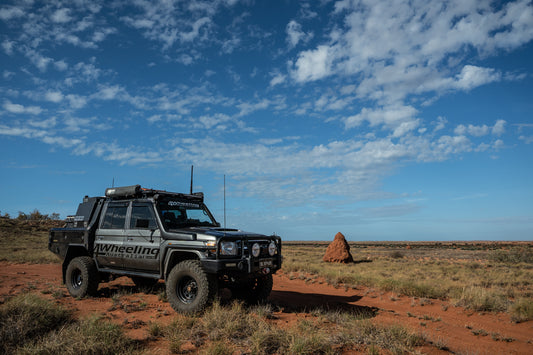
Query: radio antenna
(192, 168)
(224, 203)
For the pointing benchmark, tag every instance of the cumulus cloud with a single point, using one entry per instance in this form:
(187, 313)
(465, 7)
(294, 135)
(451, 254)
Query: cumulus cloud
(397, 49)
(313, 64)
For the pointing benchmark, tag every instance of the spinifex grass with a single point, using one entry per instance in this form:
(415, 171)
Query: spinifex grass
(32, 325)
(26, 241)
(251, 330)
(481, 279)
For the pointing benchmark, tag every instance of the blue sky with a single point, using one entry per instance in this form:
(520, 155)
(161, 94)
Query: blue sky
(387, 120)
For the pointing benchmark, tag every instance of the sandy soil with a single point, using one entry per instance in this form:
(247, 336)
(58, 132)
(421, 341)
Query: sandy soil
(441, 322)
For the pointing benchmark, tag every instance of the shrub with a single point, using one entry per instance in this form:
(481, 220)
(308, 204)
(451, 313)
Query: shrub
(522, 310)
(513, 256)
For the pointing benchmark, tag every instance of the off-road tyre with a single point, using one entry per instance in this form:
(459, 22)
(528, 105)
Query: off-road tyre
(189, 288)
(81, 277)
(144, 282)
(254, 291)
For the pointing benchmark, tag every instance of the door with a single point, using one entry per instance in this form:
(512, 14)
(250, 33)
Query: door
(142, 239)
(108, 244)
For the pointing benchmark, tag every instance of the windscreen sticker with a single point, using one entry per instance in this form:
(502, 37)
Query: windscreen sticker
(132, 252)
(183, 204)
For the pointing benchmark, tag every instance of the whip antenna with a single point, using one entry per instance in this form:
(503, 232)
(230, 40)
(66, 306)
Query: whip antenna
(224, 203)
(192, 168)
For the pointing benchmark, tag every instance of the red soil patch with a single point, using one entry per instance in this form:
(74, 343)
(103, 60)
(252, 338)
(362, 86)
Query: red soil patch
(441, 323)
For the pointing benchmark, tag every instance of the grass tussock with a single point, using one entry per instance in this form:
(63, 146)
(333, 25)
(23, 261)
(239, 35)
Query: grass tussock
(481, 300)
(233, 328)
(27, 317)
(90, 336)
(26, 241)
(513, 256)
(32, 325)
(522, 310)
(484, 277)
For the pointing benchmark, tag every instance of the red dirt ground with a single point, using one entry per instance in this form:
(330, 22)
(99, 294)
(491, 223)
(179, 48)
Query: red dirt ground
(439, 321)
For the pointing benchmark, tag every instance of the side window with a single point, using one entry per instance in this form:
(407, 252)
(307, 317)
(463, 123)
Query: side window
(142, 217)
(115, 217)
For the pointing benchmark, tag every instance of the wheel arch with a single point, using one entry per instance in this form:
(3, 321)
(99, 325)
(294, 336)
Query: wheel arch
(73, 251)
(176, 256)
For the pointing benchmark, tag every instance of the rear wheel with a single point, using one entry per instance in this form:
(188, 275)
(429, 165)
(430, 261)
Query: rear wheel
(189, 289)
(82, 277)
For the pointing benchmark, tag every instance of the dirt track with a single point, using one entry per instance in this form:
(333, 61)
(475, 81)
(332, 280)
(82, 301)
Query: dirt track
(441, 322)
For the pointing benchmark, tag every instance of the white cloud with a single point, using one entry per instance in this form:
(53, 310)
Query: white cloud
(399, 49)
(472, 130)
(76, 101)
(61, 16)
(10, 12)
(499, 128)
(53, 96)
(440, 124)
(7, 46)
(44, 124)
(400, 119)
(277, 79)
(295, 34)
(20, 109)
(472, 76)
(40, 61)
(313, 64)
(481, 130)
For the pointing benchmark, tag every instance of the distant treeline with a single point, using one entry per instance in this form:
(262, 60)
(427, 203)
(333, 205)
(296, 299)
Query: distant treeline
(33, 216)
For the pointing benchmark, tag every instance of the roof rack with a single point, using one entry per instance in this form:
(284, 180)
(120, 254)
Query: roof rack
(138, 191)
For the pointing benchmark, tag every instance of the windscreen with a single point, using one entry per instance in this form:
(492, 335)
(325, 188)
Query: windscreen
(176, 214)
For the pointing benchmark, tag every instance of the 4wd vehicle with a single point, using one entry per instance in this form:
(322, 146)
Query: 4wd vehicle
(150, 235)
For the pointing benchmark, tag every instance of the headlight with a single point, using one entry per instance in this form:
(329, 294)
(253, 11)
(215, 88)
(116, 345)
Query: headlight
(228, 248)
(256, 249)
(272, 248)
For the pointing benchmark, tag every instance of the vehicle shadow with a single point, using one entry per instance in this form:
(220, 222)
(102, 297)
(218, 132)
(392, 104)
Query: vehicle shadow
(296, 302)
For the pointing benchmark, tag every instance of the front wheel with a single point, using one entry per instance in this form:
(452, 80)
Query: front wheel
(82, 277)
(189, 289)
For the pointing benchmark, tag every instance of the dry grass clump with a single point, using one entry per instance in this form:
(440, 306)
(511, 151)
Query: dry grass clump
(482, 300)
(32, 325)
(522, 310)
(513, 256)
(473, 276)
(90, 336)
(26, 241)
(26, 317)
(224, 329)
